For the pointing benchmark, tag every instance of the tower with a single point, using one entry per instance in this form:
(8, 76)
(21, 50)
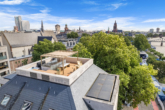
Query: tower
(79, 29)
(108, 29)
(18, 22)
(157, 30)
(115, 27)
(57, 28)
(66, 28)
(42, 27)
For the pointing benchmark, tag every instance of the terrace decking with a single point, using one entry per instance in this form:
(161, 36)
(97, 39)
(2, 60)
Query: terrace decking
(67, 70)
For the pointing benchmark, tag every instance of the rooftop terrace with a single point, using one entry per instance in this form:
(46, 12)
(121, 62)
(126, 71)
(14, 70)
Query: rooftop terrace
(57, 67)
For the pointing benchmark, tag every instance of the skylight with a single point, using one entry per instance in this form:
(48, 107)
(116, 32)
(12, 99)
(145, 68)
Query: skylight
(5, 100)
(27, 105)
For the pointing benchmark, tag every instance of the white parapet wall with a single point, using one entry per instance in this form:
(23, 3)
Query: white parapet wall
(65, 80)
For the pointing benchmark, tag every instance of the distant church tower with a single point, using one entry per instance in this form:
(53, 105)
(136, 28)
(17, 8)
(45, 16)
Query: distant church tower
(42, 27)
(115, 27)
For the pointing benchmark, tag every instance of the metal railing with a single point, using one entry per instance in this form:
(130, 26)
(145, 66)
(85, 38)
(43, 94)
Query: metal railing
(3, 57)
(3, 67)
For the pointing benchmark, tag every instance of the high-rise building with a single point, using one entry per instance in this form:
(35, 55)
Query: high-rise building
(42, 26)
(18, 22)
(157, 30)
(115, 27)
(25, 25)
(21, 24)
(57, 27)
(151, 30)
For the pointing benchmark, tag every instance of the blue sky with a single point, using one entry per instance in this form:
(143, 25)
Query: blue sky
(88, 14)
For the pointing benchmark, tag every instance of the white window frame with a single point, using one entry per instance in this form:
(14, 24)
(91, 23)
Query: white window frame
(4, 98)
(27, 102)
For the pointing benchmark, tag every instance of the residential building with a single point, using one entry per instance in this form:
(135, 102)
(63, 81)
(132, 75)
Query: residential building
(4, 59)
(18, 62)
(48, 85)
(20, 44)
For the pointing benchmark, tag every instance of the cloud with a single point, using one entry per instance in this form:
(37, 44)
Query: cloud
(154, 20)
(13, 2)
(117, 5)
(91, 2)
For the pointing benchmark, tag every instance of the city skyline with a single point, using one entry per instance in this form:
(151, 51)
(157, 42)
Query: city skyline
(89, 15)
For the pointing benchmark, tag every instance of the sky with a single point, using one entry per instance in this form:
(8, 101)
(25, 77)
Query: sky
(137, 15)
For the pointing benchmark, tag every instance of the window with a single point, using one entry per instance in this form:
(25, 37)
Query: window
(5, 100)
(27, 105)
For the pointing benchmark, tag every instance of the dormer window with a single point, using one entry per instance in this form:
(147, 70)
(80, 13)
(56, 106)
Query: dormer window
(5, 100)
(27, 105)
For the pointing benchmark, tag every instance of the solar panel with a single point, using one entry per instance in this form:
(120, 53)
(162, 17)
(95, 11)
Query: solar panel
(102, 87)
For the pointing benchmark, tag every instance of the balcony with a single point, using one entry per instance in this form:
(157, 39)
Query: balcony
(3, 67)
(3, 57)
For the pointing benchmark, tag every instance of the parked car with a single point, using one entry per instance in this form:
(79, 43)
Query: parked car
(161, 89)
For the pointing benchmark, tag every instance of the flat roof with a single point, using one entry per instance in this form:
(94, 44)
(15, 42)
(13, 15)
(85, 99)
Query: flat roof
(102, 88)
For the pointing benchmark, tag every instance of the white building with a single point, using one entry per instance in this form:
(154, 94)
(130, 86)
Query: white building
(25, 25)
(4, 59)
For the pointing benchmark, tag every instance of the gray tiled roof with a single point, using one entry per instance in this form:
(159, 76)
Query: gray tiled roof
(49, 33)
(58, 98)
(81, 86)
(22, 39)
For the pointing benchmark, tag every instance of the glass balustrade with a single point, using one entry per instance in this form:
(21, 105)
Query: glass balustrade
(3, 57)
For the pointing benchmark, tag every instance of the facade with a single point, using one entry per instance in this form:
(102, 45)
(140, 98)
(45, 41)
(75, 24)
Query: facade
(75, 90)
(25, 25)
(18, 22)
(57, 28)
(115, 27)
(4, 60)
(157, 30)
(151, 30)
(20, 43)
(18, 62)
(21, 24)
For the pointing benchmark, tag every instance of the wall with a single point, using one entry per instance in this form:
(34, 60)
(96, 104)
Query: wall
(19, 51)
(18, 62)
(5, 42)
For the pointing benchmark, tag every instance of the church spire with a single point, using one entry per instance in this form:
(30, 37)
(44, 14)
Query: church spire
(42, 27)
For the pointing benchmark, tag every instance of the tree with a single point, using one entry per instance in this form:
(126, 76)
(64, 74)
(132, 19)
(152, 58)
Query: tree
(111, 53)
(128, 42)
(72, 35)
(85, 34)
(141, 42)
(45, 46)
(82, 51)
(160, 66)
(59, 46)
(150, 35)
(24, 62)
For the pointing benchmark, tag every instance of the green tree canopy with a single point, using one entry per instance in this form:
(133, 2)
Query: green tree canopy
(111, 53)
(85, 34)
(82, 51)
(46, 46)
(72, 35)
(128, 42)
(150, 35)
(141, 42)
